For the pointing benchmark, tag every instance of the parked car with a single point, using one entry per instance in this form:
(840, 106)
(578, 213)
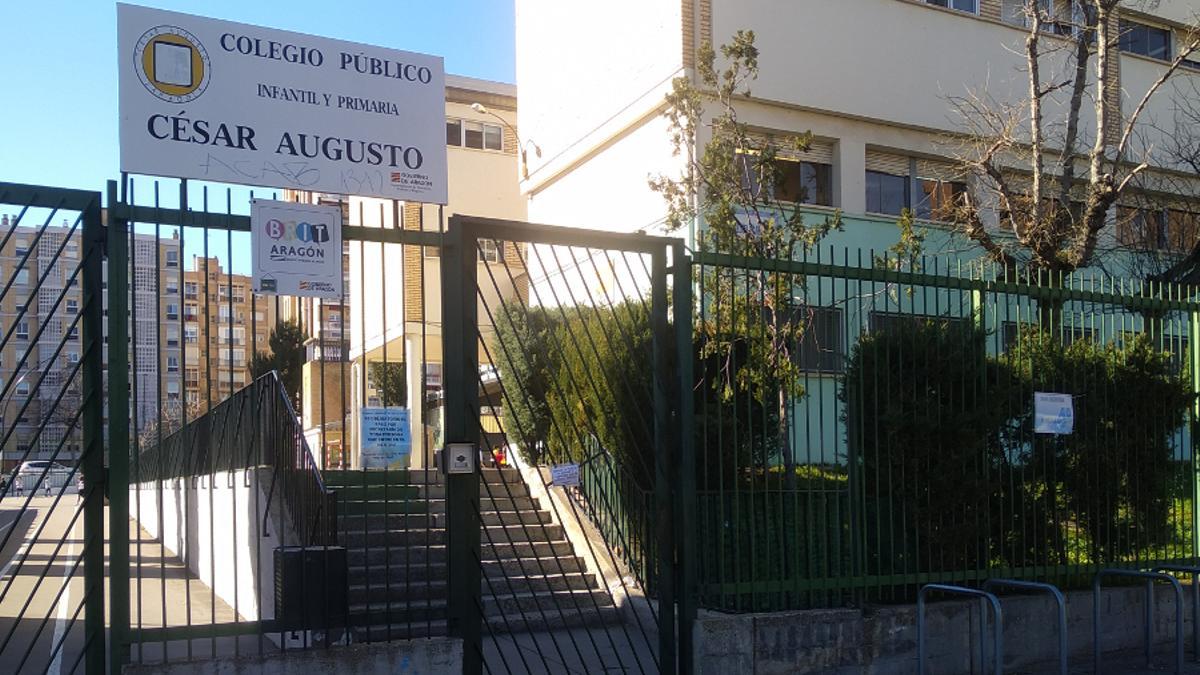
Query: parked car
(41, 474)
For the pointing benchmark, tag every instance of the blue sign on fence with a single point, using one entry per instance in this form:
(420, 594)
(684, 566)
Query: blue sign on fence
(1053, 413)
(386, 442)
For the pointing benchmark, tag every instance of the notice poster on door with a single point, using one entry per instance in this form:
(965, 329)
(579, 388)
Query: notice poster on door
(386, 442)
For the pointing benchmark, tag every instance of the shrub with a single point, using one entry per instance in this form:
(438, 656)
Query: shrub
(925, 416)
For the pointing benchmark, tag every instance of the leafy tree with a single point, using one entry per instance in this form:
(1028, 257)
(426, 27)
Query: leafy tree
(388, 378)
(525, 351)
(286, 355)
(732, 190)
(1030, 159)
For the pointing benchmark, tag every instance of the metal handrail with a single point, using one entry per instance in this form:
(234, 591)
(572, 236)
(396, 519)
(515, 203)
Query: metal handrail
(1058, 600)
(255, 427)
(997, 630)
(1150, 578)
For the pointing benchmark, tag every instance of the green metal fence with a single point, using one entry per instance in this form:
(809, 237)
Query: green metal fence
(864, 427)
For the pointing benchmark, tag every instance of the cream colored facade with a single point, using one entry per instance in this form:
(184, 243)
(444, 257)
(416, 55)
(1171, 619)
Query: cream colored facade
(393, 312)
(869, 78)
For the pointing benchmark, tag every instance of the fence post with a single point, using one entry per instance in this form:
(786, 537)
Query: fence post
(665, 461)
(464, 602)
(92, 459)
(685, 543)
(118, 432)
(1194, 348)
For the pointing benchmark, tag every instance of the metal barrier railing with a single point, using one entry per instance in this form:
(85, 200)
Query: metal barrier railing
(1150, 578)
(985, 599)
(255, 427)
(1059, 601)
(1195, 572)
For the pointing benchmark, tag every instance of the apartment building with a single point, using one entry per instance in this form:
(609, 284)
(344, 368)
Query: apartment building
(223, 324)
(42, 309)
(871, 79)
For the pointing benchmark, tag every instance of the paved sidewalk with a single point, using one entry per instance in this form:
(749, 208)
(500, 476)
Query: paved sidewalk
(41, 613)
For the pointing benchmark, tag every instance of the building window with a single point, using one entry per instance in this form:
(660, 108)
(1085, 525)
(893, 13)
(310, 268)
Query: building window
(172, 337)
(172, 364)
(172, 310)
(471, 134)
(22, 277)
(820, 347)
(1059, 17)
(433, 376)
(23, 330)
(191, 334)
(1138, 38)
(72, 306)
(172, 288)
(191, 313)
(887, 321)
(172, 258)
(799, 182)
(971, 6)
(190, 290)
(72, 357)
(886, 193)
(491, 251)
(22, 388)
(73, 334)
(21, 248)
(937, 199)
(1183, 230)
(453, 132)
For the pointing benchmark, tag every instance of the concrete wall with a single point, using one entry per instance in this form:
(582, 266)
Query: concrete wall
(402, 657)
(884, 639)
(217, 530)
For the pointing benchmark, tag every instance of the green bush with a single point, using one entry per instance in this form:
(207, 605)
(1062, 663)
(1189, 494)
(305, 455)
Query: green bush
(925, 417)
(1115, 472)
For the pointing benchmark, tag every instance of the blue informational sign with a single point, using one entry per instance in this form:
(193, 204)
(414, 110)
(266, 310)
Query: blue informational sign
(386, 442)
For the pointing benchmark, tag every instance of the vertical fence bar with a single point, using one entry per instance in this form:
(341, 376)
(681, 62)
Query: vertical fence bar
(1194, 345)
(464, 602)
(93, 443)
(665, 461)
(685, 423)
(118, 432)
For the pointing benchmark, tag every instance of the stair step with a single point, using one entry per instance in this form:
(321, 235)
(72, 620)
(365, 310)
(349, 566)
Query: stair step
(399, 590)
(374, 522)
(408, 570)
(395, 493)
(491, 534)
(434, 553)
(506, 491)
(364, 477)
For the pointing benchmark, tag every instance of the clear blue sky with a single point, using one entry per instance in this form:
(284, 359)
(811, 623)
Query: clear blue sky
(58, 65)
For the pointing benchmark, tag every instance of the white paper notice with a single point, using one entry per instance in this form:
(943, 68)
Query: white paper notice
(1053, 413)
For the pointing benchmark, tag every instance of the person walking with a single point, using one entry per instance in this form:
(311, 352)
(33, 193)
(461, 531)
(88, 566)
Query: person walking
(79, 489)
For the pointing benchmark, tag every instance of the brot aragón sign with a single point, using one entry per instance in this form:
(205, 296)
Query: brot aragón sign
(229, 102)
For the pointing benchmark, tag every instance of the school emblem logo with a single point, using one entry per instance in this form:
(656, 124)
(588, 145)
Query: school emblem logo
(172, 64)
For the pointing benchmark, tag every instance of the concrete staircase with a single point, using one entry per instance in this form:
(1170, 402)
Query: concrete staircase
(393, 525)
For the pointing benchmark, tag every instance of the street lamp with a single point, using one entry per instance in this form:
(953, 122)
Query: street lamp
(482, 110)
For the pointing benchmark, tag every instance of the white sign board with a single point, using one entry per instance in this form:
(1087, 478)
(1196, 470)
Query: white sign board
(296, 249)
(1053, 413)
(233, 103)
(564, 475)
(386, 442)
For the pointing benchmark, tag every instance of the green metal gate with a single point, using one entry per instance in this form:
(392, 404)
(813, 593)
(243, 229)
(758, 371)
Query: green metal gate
(609, 297)
(52, 549)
